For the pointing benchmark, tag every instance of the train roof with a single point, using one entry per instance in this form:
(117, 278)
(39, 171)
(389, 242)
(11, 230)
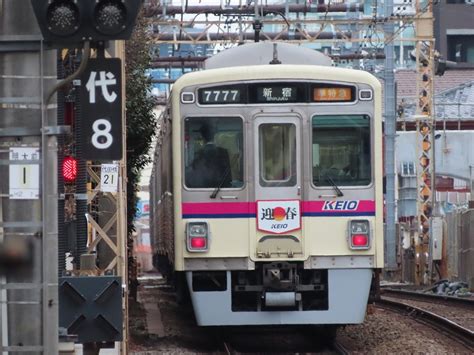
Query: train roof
(275, 72)
(262, 53)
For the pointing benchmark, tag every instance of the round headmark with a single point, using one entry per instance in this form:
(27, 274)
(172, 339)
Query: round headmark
(279, 213)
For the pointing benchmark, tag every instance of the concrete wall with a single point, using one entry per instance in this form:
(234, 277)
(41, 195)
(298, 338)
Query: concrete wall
(454, 152)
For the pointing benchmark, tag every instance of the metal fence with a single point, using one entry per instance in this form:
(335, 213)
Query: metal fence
(466, 247)
(460, 245)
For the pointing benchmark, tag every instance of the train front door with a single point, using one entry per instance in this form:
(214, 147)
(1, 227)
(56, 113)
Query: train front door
(278, 189)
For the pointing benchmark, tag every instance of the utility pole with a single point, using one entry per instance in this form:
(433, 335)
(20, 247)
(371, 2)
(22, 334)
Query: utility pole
(390, 132)
(29, 309)
(425, 128)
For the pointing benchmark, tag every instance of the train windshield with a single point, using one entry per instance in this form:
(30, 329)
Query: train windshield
(277, 154)
(213, 152)
(341, 150)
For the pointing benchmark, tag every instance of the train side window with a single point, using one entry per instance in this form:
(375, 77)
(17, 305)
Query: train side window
(277, 149)
(341, 150)
(213, 152)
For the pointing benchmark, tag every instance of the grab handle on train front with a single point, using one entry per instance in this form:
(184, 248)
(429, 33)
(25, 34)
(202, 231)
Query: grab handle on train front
(228, 197)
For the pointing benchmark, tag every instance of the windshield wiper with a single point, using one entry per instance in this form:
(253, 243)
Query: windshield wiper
(224, 177)
(221, 182)
(331, 181)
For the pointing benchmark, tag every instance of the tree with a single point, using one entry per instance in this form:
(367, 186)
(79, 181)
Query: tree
(141, 122)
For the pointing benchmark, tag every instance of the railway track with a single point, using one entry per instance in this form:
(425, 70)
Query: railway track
(444, 313)
(405, 294)
(457, 309)
(282, 341)
(337, 347)
(340, 348)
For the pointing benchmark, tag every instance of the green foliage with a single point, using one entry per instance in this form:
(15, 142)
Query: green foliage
(141, 122)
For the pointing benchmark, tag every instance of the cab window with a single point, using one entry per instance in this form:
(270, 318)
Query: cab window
(341, 150)
(213, 152)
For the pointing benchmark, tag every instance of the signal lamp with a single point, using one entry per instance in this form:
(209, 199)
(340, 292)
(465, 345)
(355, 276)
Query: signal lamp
(67, 23)
(62, 18)
(69, 169)
(110, 17)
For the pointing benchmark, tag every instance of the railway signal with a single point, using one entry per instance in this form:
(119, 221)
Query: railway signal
(69, 169)
(71, 22)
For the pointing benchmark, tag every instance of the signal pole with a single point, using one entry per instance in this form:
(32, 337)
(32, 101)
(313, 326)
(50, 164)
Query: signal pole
(29, 314)
(425, 128)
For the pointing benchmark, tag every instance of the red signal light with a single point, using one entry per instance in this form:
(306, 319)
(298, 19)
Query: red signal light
(69, 169)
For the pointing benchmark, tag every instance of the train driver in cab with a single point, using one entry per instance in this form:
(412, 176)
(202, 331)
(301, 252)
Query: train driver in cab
(211, 165)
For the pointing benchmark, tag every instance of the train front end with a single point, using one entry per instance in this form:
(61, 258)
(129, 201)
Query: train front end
(277, 174)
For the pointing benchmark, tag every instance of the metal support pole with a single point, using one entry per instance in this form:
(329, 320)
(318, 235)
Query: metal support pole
(390, 132)
(27, 72)
(471, 183)
(49, 144)
(151, 11)
(425, 126)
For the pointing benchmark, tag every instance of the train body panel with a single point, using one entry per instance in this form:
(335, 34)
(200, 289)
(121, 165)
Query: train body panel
(215, 308)
(283, 224)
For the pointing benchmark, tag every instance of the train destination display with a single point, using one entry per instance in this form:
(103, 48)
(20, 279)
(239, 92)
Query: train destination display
(276, 93)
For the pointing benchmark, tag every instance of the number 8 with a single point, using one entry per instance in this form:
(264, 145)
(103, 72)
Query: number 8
(105, 132)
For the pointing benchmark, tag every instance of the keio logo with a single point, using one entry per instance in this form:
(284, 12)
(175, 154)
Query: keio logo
(341, 205)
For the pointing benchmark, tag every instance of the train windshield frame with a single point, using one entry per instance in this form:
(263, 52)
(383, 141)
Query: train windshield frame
(213, 152)
(341, 150)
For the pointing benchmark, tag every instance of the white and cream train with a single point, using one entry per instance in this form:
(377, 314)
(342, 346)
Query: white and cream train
(266, 193)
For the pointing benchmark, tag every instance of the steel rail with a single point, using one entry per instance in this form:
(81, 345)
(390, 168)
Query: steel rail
(461, 334)
(428, 297)
(339, 348)
(227, 348)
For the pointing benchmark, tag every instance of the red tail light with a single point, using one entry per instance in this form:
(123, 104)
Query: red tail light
(360, 240)
(198, 242)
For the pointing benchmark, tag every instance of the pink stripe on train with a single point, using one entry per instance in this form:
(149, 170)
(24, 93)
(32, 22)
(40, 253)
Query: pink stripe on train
(219, 208)
(249, 209)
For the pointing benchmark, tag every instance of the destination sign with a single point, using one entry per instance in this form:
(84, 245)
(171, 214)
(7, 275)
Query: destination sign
(277, 93)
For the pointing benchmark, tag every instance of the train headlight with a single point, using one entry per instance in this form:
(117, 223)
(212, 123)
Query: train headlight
(197, 236)
(359, 234)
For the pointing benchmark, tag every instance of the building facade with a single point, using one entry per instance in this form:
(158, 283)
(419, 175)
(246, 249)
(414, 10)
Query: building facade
(454, 31)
